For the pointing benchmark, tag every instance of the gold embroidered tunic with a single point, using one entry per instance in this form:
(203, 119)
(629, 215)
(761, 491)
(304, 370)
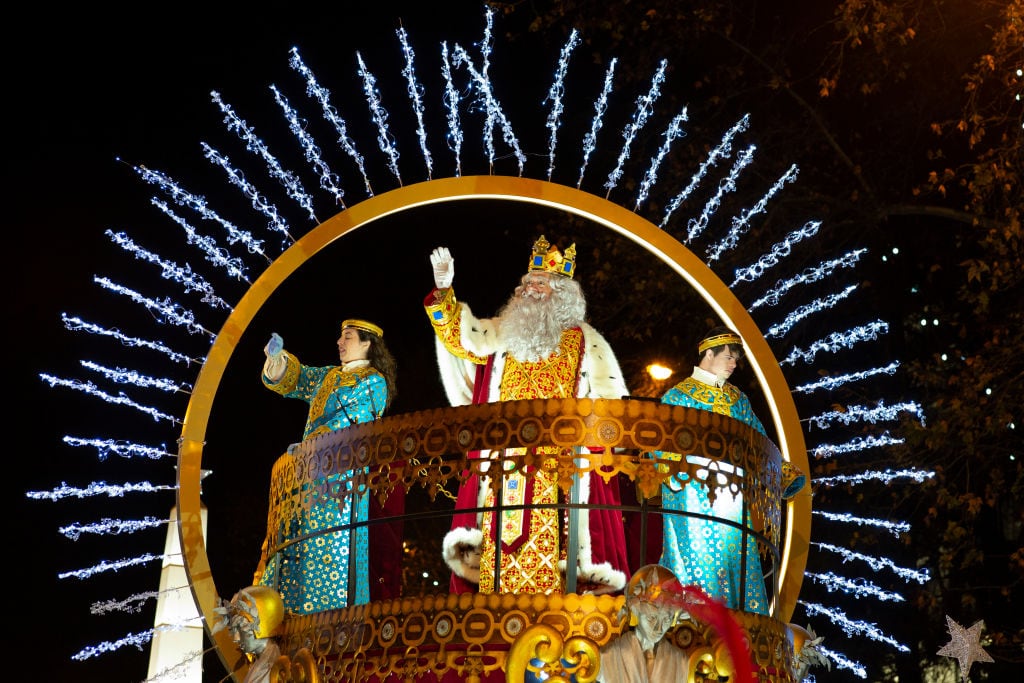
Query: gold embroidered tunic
(531, 544)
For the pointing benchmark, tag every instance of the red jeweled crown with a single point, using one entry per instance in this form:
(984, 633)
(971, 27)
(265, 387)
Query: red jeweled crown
(548, 258)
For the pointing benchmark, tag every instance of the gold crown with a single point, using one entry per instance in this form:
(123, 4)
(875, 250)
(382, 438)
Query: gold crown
(364, 326)
(549, 259)
(720, 340)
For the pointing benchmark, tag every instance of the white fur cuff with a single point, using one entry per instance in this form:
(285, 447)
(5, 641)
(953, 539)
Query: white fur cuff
(461, 550)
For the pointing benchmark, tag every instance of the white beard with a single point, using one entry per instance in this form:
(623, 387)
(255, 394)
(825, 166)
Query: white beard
(530, 327)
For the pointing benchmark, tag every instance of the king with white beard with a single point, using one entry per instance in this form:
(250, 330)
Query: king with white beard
(538, 346)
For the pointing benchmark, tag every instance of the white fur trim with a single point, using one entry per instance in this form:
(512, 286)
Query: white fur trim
(457, 375)
(464, 563)
(603, 574)
(601, 375)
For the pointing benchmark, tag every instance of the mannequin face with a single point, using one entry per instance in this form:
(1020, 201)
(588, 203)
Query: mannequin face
(722, 365)
(652, 623)
(350, 348)
(241, 633)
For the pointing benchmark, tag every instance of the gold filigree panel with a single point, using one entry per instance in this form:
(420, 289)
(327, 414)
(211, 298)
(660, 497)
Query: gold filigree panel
(440, 449)
(473, 635)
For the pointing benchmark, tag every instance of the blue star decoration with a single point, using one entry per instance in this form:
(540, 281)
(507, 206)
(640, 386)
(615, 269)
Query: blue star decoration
(965, 646)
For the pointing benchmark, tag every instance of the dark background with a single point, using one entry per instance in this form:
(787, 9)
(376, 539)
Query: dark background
(90, 94)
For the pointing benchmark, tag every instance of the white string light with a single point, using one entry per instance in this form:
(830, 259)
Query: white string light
(290, 181)
(555, 93)
(323, 96)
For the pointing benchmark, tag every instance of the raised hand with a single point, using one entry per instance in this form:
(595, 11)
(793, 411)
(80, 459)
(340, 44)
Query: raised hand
(274, 346)
(444, 267)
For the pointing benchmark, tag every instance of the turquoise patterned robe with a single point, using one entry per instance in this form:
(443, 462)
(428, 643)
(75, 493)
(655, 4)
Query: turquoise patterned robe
(313, 575)
(705, 552)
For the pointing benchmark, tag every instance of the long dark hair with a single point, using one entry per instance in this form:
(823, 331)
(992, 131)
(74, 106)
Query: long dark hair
(382, 361)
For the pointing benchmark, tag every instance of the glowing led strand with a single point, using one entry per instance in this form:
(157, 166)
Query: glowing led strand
(886, 476)
(416, 96)
(836, 341)
(323, 96)
(111, 527)
(723, 150)
(77, 324)
(169, 270)
(740, 224)
(133, 604)
(651, 177)
(857, 587)
(644, 107)
(878, 563)
(695, 226)
(120, 399)
(135, 639)
(385, 140)
(106, 566)
(122, 376)
(163, 309)
(258, 201)
(839, 380)
(290, 182)
(451, 101)
(816, 306)
(486, 44)
(854, 627)
(809, 275)
(493, 109)
(779, 251)
(843, 663)
(895, 528)
(98, 488)
(198, 204)
(214, 254)
(124, 449)
(600, 106)
(329, 180)
(862, 413)
(176, 671)
(858, 444)
(555, 97)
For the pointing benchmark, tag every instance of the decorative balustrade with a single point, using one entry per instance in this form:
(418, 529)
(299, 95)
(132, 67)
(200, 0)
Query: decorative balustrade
(480, 637)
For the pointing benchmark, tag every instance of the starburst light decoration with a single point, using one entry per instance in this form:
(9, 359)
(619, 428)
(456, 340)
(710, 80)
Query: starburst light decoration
(472, 97)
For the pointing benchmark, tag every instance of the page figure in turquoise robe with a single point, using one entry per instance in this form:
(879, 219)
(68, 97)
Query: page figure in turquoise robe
(313, 573)
(704, 551)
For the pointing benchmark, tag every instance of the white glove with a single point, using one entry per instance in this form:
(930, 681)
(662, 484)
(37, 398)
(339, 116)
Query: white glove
(444, 267)
(274, 346)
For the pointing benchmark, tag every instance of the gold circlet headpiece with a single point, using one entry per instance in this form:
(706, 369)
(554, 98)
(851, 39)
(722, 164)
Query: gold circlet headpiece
(549, 259)
(720, 340)
(364, 326)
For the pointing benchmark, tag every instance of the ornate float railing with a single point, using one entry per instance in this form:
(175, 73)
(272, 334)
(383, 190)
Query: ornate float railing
(488, 637)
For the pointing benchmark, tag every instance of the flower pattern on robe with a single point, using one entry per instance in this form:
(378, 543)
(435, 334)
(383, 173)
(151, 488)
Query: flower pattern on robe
(312, 575)
(706, 552)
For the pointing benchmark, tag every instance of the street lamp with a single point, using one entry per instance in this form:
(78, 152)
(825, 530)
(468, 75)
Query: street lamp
(659, 372)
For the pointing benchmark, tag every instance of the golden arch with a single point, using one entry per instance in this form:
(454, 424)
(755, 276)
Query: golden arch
(602, 211)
